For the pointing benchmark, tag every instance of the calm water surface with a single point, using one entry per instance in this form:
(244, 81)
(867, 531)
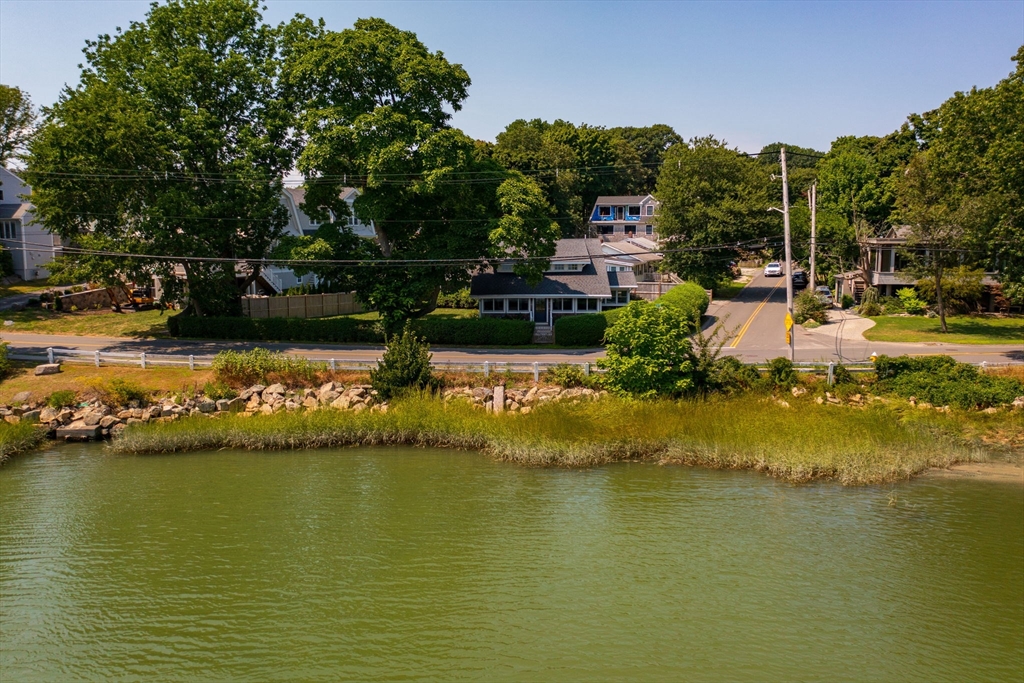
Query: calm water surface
(393, 564)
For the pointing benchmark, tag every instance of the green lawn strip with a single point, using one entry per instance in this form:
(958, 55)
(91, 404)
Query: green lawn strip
(962, 330)
(90, 323)
(29, 287)
(728, 291)
(878, 444)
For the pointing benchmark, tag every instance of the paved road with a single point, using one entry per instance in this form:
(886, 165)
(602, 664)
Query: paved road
(755, 320)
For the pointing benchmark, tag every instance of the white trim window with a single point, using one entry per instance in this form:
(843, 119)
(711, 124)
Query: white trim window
(586, 304)
(493, 305)
(649, 210)
(518, 305)
(562, 305)
(9, 230)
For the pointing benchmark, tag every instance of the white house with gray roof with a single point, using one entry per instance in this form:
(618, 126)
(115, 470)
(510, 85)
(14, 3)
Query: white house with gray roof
(578, 280)
(32, 246)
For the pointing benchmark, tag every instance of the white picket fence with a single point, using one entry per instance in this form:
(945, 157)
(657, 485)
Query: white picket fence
(147, 360)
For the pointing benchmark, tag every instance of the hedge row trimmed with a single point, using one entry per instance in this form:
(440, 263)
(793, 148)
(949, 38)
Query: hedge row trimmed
(469, 332)
(941, 381)
(688, 298)
(586, 329)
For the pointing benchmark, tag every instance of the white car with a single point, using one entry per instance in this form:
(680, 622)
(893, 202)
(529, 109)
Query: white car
(824, 294)
(773, 269)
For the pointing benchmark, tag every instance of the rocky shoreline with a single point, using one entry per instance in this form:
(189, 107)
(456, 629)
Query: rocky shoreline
(96, 419)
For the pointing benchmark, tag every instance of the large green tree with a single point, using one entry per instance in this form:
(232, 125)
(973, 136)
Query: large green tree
(173, 144)
(975, 142)
(376, 110)
(649, 144)
(17, 120)
(711, 196)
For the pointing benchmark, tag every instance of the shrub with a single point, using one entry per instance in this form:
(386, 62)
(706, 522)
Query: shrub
(585, 329)
(841, 375)
(464, 331)
(781, 374)
(261, 365)
(690, 299)
(568, 376)
(459, 299)
(404, 367)
(911, 303)
(5, 362)
(807, 306)
(216, 391)
(649, 352)
(891, 304)
(847, 302)
(63, 398)
(870, 309)
(961, 289)
(122, 392)
(941, 380)
(6, 263)
(611, 315)
(732, 376)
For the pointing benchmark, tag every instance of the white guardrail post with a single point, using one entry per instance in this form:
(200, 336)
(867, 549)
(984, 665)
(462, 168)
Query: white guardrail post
(49, 355)
(831, 372)
(332, 365)
(97, 358)
(142, 359)
(536, 372)
(191, 362)
(586, 368)
(487, 369)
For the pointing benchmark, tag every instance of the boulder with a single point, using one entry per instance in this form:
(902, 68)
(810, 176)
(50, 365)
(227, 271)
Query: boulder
(166, 410)
(21, 397)
(1018, 403)
(91, 418)
(31, 416)
(499, 399)
(342, 402)
(108, 421)
(47, 415)
(236, 405)
(48, 369)
(324, 388)
(222, 405)
(798, 391)
(12, 419)
(275, 389)
(207, 406)
(310, 403)
(115, 430)
(327, 396)
(359, 407)
(266, 409)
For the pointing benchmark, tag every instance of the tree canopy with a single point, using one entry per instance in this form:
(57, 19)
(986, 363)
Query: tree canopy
(17, 120)
(174, 143)
(710, 196)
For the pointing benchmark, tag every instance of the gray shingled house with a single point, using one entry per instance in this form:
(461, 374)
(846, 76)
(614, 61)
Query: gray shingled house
(577, 281)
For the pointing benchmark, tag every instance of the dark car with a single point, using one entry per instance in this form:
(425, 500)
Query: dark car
(800, 279)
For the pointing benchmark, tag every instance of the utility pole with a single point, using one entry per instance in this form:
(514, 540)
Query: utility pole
(814, 207)
(790, 337)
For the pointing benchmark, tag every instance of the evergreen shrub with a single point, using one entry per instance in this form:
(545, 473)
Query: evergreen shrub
(5, 362)
(404, 367)
(62, 398)
(568, 376)
(585, 329)
(807, 306)
(912, 304)
(942, 381)
(781, 374)
(689, 298)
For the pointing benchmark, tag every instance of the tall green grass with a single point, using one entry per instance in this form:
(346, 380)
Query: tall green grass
(853, 446)
(15, 438)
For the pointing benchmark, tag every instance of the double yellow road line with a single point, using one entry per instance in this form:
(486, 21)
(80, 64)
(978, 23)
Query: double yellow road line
(746, 325)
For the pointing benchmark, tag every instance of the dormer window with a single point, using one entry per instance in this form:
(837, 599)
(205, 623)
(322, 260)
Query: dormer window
(633, 211)
(650, 209)
(604, 211)
(505, 267)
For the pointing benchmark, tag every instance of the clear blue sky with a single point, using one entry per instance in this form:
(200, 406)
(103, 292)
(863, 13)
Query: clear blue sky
(751, 73)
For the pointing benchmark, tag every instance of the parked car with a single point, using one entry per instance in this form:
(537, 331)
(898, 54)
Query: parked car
(824, 294)
(773, 269)
(800, 280)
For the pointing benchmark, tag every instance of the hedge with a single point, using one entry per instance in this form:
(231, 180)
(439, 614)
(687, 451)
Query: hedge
(941, 380)
(586, 329)
(471, 332)
(689, 298)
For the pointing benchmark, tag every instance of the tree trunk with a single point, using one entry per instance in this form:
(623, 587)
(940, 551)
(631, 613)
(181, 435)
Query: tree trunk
(938, 299)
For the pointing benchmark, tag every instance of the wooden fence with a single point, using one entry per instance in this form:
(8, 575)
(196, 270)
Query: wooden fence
(300, 306)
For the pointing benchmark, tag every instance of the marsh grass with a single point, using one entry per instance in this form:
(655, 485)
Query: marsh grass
(853, 446)
(15, 438)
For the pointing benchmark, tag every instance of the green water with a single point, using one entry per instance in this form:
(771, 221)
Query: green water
(397, 564)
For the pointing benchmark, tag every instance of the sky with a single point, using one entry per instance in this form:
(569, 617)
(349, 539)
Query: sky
(750, 73)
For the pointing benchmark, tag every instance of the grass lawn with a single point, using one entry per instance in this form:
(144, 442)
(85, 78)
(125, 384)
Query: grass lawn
(24, 287)
(731, 289)
(962, 330)
(96, 323)
(89, 381)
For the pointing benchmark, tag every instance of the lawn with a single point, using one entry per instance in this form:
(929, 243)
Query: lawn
(88, 381)
(24, 287)
(962, 330)
(729, 290)
(436, 313)
(91, 323)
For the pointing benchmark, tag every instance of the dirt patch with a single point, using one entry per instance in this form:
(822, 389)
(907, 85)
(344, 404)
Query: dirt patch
(1005, 472)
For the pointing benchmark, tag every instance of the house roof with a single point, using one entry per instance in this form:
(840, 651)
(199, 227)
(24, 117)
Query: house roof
(622, 279)
(12, 211)
(633, 250)
(623, 199)
(590, 281)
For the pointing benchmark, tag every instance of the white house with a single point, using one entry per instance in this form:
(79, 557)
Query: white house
(32, 246)
(280, 279)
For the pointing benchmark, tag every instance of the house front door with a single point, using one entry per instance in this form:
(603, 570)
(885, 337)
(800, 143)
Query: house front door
(540, 311)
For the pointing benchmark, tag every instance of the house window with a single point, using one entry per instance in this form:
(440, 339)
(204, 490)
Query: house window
(520, 305)
(505, 267)
(494, 305)
(650, 209)
(649, 229)
(559, 266)
(586, 304)
(633, 211)
(604, 211)
(563, 305)
(9, 230)
(607, 229)
(885, 260)
(572, 266)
